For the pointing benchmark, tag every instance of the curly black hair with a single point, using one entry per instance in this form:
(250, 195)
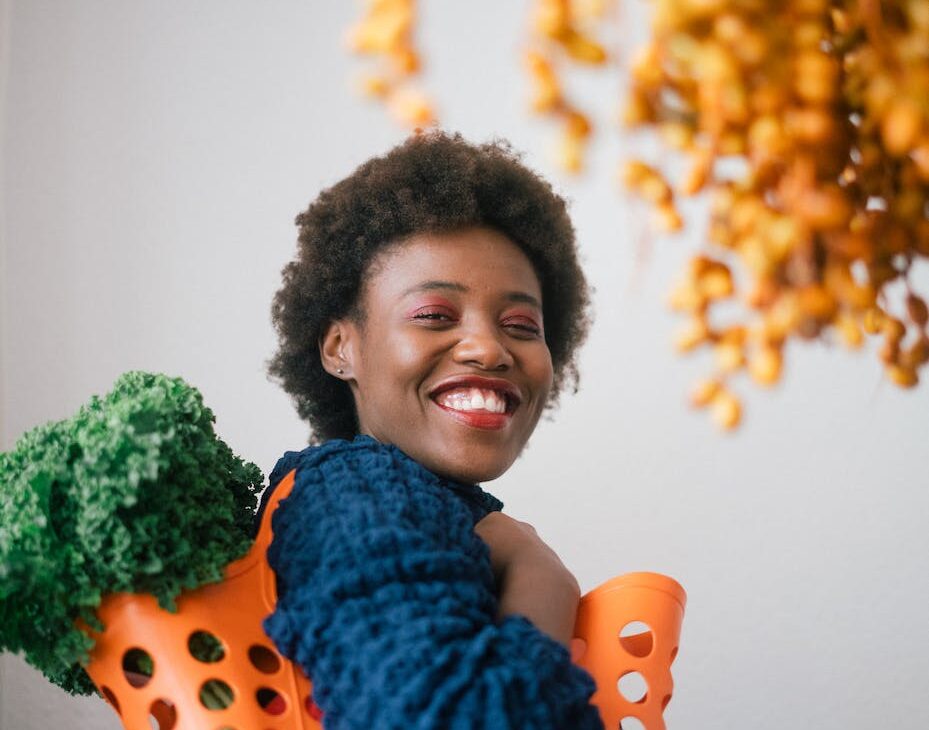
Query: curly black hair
(433, 182)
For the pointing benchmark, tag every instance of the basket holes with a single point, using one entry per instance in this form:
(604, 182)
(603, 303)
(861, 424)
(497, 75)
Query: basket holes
(204, 647)
(665, 701)
(636, 638)
(631, 723)
(111, 698)
(263, 659)
(138, 667)
(271, 701)
(313, 709)
(633, 687)
(215, 694)
(162, 715)
(673, 655)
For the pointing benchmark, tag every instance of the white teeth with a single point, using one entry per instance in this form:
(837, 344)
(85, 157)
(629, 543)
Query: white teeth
(473, 399)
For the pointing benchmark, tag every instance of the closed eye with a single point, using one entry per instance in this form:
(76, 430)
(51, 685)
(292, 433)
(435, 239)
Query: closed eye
(432, 315)
(523, 326)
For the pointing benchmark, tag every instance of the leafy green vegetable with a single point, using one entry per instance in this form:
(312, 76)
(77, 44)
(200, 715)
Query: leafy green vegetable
(134, 493)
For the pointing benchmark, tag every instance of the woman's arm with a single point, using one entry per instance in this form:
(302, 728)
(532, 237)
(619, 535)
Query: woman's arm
(386, 601)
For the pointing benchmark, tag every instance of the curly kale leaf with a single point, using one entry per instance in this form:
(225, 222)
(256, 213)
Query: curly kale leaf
(134, 493)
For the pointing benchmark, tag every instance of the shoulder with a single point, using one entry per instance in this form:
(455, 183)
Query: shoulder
(366, 494)
(363, 456)
(364, 480)
(376, 476)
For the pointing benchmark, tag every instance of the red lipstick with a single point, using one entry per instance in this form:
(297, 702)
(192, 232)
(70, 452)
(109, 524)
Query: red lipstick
(475, 419)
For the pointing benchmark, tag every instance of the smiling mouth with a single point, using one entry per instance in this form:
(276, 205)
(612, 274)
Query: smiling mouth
(482, 408)
(476, 400)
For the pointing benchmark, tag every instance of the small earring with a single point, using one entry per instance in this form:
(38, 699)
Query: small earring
(339, 371)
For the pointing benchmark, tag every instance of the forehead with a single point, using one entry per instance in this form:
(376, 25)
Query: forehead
(481, 259)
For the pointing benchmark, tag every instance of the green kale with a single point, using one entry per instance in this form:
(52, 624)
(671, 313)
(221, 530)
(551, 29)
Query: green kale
(134, 493)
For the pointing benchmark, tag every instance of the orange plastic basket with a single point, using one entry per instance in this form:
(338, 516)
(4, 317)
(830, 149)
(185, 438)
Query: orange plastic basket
(210, 666)
(631, 626)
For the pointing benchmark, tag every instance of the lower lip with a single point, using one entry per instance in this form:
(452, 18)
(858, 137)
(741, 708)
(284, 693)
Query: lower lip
(486, 421)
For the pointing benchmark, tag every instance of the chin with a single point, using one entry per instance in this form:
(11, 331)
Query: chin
(470, 475)
(459, 459)
(470, 471)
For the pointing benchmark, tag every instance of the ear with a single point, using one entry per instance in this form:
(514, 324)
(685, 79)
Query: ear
(336, 348)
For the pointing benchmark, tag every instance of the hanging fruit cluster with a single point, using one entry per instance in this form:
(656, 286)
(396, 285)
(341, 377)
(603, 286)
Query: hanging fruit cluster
(822, 110)
(562, 30)
(386, 33)
(804, 122)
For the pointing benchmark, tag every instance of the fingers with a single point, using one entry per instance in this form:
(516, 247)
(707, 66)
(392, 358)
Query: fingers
(578, 648)
(529, 528)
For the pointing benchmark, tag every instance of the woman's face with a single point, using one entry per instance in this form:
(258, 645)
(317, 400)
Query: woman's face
(449, 361)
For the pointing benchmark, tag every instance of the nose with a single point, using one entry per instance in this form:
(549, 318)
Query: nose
(482, 346)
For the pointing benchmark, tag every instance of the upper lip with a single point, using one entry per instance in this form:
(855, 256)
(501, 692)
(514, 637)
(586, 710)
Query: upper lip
(476, 381)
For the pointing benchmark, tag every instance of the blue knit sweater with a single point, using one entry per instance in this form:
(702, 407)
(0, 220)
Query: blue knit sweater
(386, 600)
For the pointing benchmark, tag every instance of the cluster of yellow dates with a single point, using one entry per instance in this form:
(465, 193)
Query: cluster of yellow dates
(819, 110)
(806, 122)
(386, 33)
(563, 29)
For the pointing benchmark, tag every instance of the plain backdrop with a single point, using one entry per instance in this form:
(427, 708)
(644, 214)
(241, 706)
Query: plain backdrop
(154, 155)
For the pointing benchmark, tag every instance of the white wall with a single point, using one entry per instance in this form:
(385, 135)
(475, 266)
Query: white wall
(155, 154)
(4, 67)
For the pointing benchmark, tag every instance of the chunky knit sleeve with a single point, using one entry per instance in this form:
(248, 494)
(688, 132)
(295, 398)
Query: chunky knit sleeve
(386, 600)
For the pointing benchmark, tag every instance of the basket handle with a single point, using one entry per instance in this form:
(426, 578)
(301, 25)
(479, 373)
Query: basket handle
(266, 535)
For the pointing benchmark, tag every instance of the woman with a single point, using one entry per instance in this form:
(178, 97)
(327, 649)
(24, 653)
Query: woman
(431, 316)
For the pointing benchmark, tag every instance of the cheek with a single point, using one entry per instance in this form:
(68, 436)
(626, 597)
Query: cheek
(403, 357)
(538, 367)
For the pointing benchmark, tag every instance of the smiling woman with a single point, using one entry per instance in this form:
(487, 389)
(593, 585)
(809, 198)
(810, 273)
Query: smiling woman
(433, 183)
(432, 314)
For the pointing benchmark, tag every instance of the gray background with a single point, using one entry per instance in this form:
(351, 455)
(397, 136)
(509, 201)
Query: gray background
(154, 157)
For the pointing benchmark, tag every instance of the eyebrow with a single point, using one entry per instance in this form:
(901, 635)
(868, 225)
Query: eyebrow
(436, 284)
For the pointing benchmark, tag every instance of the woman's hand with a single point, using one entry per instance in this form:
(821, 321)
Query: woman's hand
(532, 580)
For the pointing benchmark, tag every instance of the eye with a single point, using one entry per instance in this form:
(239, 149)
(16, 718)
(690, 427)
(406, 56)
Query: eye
(523, 325)
(433, 314)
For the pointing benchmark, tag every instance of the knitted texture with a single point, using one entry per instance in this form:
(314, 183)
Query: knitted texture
(386, 600)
